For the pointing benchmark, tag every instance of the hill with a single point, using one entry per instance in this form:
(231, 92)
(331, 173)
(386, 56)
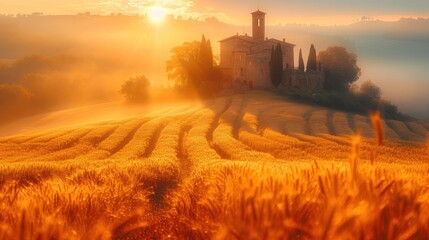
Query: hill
(248, 166)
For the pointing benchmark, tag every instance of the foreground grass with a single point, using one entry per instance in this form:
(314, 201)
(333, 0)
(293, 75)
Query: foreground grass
(243, 167)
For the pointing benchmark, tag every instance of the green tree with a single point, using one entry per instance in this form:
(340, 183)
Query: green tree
(136, 89)
(301, 62)
(340, 68)
(276, 65)
(312, 59)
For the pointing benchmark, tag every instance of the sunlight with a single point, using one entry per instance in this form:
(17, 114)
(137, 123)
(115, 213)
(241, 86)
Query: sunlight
(157, 14)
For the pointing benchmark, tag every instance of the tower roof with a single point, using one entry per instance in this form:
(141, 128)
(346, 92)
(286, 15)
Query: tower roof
(258, 12)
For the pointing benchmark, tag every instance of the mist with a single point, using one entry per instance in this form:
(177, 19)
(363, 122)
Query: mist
(68, 61)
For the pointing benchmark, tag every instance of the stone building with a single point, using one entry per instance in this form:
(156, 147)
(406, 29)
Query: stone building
(245, 60)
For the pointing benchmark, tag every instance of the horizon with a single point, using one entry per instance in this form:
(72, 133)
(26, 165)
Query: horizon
(362, 19)
(334, 13)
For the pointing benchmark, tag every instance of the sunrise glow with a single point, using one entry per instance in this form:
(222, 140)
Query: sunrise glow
(157, 14)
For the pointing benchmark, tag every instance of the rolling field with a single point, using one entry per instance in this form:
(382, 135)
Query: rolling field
(250, 166)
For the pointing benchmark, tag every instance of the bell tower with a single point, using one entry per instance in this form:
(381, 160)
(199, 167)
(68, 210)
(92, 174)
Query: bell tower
(258, 25)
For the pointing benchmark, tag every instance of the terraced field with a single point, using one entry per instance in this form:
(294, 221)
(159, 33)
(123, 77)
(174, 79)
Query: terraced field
(252, 166)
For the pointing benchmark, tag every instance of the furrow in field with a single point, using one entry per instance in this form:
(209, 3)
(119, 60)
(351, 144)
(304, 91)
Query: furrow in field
(389, 132)
(113, 143)
(417, 128)
(200, 137)
(166, 146)
(216, 119)
(122, 138)
(306, 117)
(352, 122)
(231, 148)
(81, 147)
(363, 126)
(275, 149)
(330, 122)
(286, 119)
(342, 125)
(268, 141)
(327, 146)
(21, 138)
(318, 123)
(238, 118)
(182, 150)
(152, 142)
(291, 142)
(37, 150)
(226, 143)
(295, 125)
(50, 136)
(403, 131)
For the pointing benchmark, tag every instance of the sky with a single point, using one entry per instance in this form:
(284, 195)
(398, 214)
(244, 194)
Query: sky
(326, 12)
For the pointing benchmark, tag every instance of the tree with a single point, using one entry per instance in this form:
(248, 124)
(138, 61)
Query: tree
(371, 90)
(340, 68)
(301, 62)
(205, 58)
(312, 59)
(276, 65)
(182, 65)
(191, 66)
(136, 89)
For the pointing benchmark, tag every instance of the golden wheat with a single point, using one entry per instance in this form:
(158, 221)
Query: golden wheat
(246, 166)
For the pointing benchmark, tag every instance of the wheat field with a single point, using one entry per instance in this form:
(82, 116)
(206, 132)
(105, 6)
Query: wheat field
(245, 166)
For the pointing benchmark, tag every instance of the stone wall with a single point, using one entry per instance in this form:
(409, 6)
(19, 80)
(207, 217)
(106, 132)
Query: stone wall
(303, 80)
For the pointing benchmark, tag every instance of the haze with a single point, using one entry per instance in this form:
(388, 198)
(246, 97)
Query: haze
(235, 12)
(94, 54)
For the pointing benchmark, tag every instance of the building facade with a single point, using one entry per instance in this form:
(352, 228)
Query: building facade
(245, 60)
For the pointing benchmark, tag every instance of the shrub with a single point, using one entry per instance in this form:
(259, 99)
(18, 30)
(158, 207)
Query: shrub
(346, 101)
(136, 89)
(370, 89)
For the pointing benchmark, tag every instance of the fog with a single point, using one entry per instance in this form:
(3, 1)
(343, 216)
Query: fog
(69, 61)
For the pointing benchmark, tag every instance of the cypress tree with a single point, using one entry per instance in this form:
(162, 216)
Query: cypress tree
(209, 54)
(276, 65)
(301, 62)
(312, 59)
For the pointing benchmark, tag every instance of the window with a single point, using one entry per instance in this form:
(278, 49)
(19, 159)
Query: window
(259, 22)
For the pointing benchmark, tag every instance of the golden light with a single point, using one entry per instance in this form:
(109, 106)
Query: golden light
(157, 14)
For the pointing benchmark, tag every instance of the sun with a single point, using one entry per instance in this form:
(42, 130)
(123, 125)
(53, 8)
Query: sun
(157, 14)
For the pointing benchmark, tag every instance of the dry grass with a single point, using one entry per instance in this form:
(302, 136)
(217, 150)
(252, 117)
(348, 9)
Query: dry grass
(243, 167)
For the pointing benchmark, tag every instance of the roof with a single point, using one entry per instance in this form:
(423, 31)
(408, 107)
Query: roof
(258, 12)
(256, 42)
(278, 41)
(240, 37)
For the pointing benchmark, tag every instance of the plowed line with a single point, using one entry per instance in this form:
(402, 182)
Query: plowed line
(152, 141)
(216, 120)
(351, 122)
(306, 117)
(417, 128)
(222, 154)
(330, 122)
(239, 119)
(126, 140)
